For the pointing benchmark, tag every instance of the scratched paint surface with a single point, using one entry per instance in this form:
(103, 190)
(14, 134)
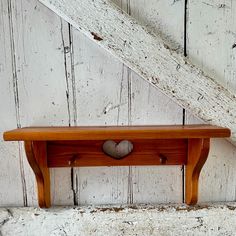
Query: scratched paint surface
(145, 220)
(211, 32)
(150, 57)
(11, 172)
(116, 97)
(52, 75)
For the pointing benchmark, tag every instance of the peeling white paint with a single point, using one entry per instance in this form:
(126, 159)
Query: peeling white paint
(142, 220)
(64, 78)
(211, 28)
(146, 54)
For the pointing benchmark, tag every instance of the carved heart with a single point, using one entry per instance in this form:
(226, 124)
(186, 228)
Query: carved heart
(117, 150)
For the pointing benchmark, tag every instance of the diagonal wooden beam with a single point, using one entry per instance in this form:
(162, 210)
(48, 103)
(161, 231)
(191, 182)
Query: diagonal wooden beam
(146, 54)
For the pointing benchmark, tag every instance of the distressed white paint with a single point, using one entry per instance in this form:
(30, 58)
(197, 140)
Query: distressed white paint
(10, 173)
(43, 102)
(217, 178)
(108, 95)
(148, 55)
(165, 18)
(149, 220)
(148, 106)
(211, 39)
(101, 99)
(154, 184)
(211, 32)
(52, 60)
(39, 85)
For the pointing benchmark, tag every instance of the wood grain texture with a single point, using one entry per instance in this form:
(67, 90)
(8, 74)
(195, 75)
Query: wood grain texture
(148, 56)
(102, 97)
(154, 184)
(90, 153)
(116, 132)
(12, 177)
(214, 21)
(218, 173)
(190, 152)
(36, 153)
(147, 105)
(211, 30)
(84, 152)
(41, 83)
(110, 93)
(198, 150)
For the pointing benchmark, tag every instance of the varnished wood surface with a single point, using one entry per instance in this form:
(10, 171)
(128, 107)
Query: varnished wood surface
(48, 147)
(36, 153)
(90, 153)
(190, 152)
(115, 132)
(198, 150)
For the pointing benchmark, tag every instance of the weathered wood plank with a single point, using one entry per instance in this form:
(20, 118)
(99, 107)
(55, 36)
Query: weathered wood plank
(211, 31)
(12, 192)
(88, 59)
(215, 51)
(148, 55)
(150, 220)
(41, 82)
(101, 96)
(147, 105)
(63, 177)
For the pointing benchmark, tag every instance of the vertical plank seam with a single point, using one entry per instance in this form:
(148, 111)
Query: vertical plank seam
(74, 186)
(16, 98)
(235, 193)
(118, 122)
(70, 94)
(121, 91)
(185, 26)
(130, 182)
(66, 74)
(184, 111)
(73, 74)
(128, 8)
(74, 181)
(130, 173)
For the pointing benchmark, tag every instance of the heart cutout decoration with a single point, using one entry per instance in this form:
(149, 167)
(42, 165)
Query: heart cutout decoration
(117, 150)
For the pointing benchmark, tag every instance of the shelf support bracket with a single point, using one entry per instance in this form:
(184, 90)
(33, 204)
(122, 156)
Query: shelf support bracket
(198, 150)
(36, 153)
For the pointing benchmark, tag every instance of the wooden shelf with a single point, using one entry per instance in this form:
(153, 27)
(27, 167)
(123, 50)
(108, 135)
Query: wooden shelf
(112, 132)
(50, 147)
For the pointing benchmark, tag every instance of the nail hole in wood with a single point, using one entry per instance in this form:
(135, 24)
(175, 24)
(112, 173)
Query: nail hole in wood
(163, 159)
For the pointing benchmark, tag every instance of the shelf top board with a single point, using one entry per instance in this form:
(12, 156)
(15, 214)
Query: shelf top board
(115, 132)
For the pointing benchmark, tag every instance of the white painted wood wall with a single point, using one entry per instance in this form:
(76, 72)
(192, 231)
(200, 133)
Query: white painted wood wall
(50, 74)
